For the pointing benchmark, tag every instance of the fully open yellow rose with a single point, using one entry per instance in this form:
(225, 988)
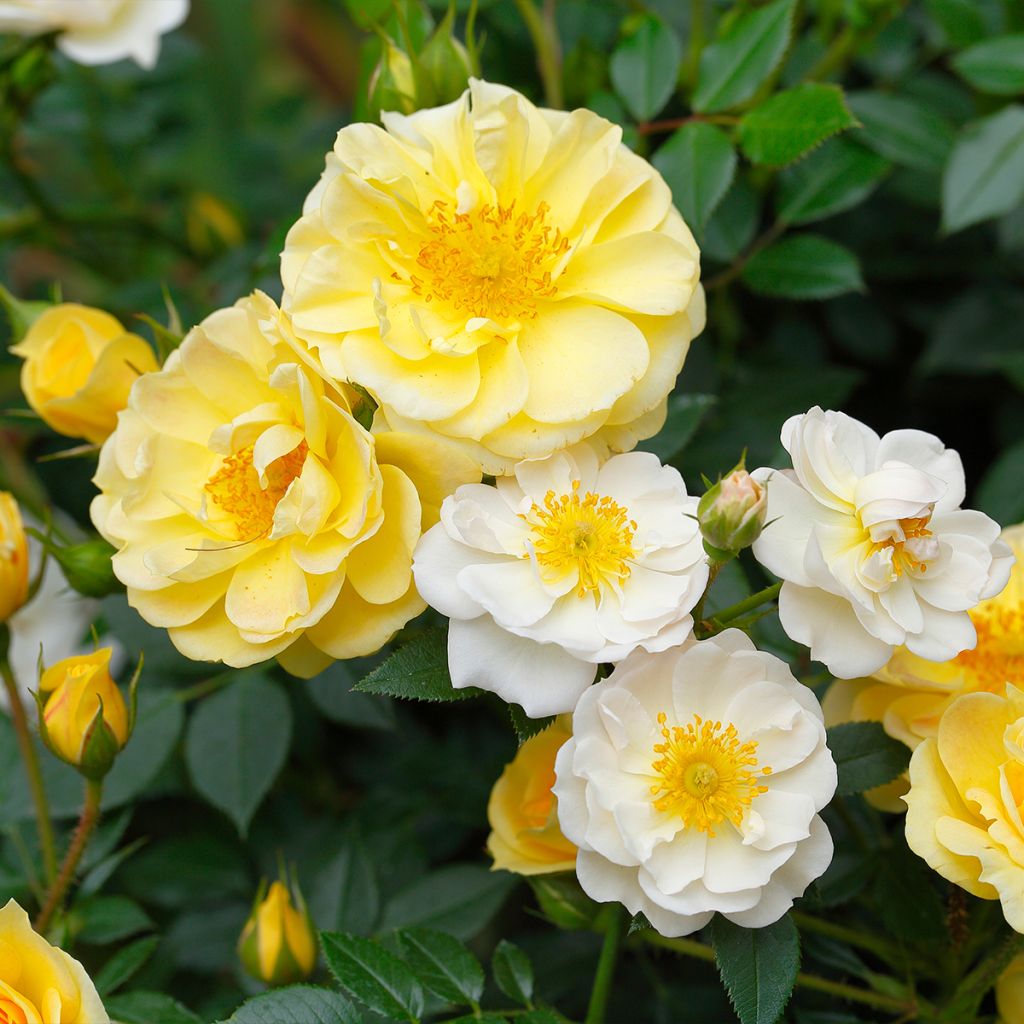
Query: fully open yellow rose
(253, 516)
(510, 277)
(13, 558)
(39, 983)
(80, 364)
(525, 836)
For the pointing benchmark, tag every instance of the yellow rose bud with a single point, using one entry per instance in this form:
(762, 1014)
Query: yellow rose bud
(13, 558)
(525, 836)
(39, 982)
(80, 364)
(278, 943)
(85, 719)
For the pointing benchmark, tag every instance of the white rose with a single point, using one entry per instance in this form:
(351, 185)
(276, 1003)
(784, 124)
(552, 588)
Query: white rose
(692, 784)
(98, 31)
(559, 568)
(872, 544)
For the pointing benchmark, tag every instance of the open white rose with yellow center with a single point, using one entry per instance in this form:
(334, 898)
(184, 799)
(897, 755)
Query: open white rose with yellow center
(511, 277)
(692, 784)
(872, 544)
(98, 31)
(253, 516)
(563, 566)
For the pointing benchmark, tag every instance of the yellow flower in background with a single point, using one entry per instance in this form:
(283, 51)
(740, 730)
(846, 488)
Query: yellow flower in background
(966, 792)
(1010, 992)
(278, 943)
(13, 558)
(525, 836)
(75, 691)
(509, 277)
(80, 364)
(253, 516)
(39, 983)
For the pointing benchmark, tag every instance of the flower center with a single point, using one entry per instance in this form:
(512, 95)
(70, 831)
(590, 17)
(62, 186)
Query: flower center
(11, 1013)
(236, 489)
(592, 534)
(911, 545)
(493, 262)
(998, 658)
(707, 774)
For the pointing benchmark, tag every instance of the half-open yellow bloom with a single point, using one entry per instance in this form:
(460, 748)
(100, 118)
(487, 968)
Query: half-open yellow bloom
(253, 516)
(13, 558)
(522, 811)
(39, 983)
(507, 276)
(80, 364)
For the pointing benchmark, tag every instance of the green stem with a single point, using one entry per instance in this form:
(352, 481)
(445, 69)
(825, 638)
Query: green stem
(963, 1005)
(86, 823)
(885, 950)
(714, 569)
(616, 922)
(206, 687)
(851, 993)
(544, 34)
(30, 759)
(761, 242)
(748, 604)
(698, 29)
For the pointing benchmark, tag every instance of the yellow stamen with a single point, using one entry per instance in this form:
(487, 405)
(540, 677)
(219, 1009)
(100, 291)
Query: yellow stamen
(707, 774)
(913, 529)
(591, 534)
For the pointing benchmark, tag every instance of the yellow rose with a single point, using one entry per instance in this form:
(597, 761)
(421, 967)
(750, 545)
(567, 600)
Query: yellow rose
(80, 364)
(522, 811)
(13, 558)
(253, 516)
(963, 814)
(78, 688)
(512, 278)
(39, 983)
(278, 943)
(1010, 992)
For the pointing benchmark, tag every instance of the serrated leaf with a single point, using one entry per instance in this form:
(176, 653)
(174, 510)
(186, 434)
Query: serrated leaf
(443, 964)
(524, 726)
(804, 267)
(758, 967)
(834, 178)
(148, 1008)
(735, 66)
(645, 65)
(985, 174)
(865, 756)
(995, 66)
(296, 1004)
(685, 413)
(792, 123)
(417, 671)
(124, 964)
(513, 972)
(373, 975)
(639, 923)
(236, 744)
(902, 129)
(698, 162)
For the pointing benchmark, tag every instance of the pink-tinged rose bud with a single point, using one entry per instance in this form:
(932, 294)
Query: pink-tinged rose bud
(732, 514)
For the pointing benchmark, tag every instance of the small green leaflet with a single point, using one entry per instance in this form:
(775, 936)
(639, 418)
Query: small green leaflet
(417, 671)
(994, 66)
(865, 756)
(804, 267)
(373, 975)
(699, 163)
(513, 972)
(645, 65)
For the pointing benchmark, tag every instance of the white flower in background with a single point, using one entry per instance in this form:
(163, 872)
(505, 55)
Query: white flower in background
(872, 544)
(563, 566)
(98, 31)
(692, 784)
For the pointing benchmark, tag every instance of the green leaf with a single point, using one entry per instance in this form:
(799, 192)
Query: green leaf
(345, 896)
(148, 1008)
(733, 68)
(685, 413)
(699, 163)
(865, 756)
(961, 20)
(645, 65)
(296, 1004)
(332, 694)
(106, 919)
(124, 964)
(835, 178)
(792, 123)
(236, 745)
(524, 726)
(902, 129)
(443, 965)
(732, 226)
(758, 967)
(513, 972)
(459, 899)
(417, 671)
(1000, 493)
(995, 66)
(373, 975)
(985, 174)
(804, 267)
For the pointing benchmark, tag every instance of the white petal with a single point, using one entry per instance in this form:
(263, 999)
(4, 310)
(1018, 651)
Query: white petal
(928, 454)
(436, 564)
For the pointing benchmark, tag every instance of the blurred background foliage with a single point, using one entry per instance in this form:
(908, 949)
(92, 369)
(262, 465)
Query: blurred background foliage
(863, 249)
